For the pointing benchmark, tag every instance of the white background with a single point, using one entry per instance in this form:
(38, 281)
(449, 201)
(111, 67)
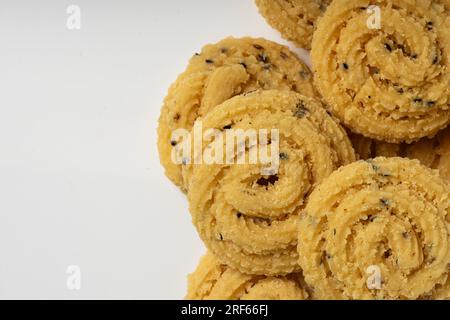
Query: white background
(80, 179)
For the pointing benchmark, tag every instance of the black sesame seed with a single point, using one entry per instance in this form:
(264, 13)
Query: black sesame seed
(345, 66)
(227, 127)
(400, 90)
(249, 92)
(417, 100)
(388, 47)
(283, 156)
(221, 237)
(414, 56)
(266, 181)
(243, 64)
(176, 116)
(387, 253)
(429, 25)
(385, 202)
(325, 256)
(238, 215)
(435, 60)
(375, 167)
(173, 143)
(304, 74)
(263, 58)
(431, 103)
(374, 70)
(300, 110)
(209, 61)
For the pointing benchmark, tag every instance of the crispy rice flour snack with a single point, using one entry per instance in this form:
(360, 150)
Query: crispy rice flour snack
(215, 281)
(247, 219)
(434, 153)
(387, 213)
(391, 83)
(221, 71)
(294, 19)
(367, 148)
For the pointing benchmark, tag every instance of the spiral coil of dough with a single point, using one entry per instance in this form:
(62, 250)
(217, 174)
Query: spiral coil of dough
(249, 219)
(215, 281)
(221, 71)
(391, 214)
(295, 19)
(434, 153)
(390, 81)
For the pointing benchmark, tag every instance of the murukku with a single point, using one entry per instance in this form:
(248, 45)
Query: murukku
(387, 218)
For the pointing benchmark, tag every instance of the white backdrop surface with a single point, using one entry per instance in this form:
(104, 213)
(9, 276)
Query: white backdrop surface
(80, 179)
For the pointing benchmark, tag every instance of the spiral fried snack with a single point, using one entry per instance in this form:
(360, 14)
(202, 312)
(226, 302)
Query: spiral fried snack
(295, 19)
(387, 217)
(248, 217)
(221, 71)
(215, 281)
(367, 148)
(434, 153)
(383, 68)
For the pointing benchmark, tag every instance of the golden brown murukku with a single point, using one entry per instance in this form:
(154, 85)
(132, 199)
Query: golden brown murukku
(386, 214)
(388, 78)
(248, 219)
(219, 72)
(434, 153)
(213, 280)
(367, 148)
(294, 19)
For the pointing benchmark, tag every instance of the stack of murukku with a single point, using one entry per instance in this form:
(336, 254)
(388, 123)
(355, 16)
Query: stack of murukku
(337, 181)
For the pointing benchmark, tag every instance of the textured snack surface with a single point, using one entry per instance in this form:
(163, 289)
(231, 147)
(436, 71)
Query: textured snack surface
(387, 81)
(386, 215)
(295, 19)
(215, 281)
(434, 153)
(249, 219)
(221, 71)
